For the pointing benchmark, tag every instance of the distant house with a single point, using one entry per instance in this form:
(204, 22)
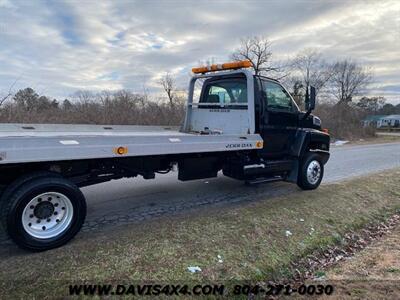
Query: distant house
(390, 121)
(380, 121)
(373, 120)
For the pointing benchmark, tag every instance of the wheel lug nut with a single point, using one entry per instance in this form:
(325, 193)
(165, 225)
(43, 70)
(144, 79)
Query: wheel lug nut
(63, 208)
(30, 224)
(49, 198)
(48, 220)
(58, 221)
(55, 204)
(44, 227)
(38, 221)
(31, 216)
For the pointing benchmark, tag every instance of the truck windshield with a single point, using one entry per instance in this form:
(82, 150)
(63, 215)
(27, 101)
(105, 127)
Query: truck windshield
(229, 92)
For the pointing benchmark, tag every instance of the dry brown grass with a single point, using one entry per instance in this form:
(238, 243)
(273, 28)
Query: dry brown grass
(379, 139)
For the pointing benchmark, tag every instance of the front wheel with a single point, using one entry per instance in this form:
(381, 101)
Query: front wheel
(311, 171)
(44, 213)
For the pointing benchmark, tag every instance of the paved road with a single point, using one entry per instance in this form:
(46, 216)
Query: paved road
(130, 200)
(135, 200)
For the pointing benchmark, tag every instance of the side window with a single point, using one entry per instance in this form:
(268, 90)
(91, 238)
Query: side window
(226, 92)
(277, 97)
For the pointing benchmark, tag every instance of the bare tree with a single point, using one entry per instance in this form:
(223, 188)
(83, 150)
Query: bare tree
(371, 104)
(168, 84)
(297, 92)
(9, 94)
(348, 80)
(313, 69)
(258, 51)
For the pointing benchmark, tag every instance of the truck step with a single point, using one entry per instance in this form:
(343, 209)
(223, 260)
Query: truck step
(263, 180)
(267, 167)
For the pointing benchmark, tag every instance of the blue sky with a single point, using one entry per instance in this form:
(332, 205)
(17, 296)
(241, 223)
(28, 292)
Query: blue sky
(58, 47)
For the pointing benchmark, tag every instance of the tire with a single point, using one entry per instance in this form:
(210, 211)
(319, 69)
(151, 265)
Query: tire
(311, 172)
(44, 213)
(11, 189)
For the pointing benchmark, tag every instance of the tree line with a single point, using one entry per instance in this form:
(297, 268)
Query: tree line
(119, 108)
(340, 86)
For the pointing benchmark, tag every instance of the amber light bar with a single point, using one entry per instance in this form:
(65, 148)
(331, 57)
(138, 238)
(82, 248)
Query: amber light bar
(225, 66)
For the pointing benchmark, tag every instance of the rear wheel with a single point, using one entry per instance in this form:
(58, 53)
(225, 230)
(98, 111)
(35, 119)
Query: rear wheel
(9, 190)
(44, 213)
(311, 171)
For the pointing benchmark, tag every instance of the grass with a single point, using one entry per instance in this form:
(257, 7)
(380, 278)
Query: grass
(251, 240)
(379, 139)
(320, 274)
(393, 270)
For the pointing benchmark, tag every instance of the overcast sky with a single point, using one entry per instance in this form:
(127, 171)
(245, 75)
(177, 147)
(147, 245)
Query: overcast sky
(58, 47)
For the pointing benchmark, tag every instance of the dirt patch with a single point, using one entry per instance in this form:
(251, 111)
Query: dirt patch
(365, 264)
(313, 266)
(372, 273)
(378, 261)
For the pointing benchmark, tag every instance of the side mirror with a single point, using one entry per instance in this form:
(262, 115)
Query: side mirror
(310, 99)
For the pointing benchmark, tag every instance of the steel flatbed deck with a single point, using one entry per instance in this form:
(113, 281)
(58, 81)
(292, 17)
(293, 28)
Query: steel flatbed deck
(23, 143)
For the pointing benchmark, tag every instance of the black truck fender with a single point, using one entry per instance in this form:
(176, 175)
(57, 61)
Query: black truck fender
(308, 140)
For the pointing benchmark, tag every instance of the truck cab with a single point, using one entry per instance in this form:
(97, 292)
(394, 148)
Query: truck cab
(239, 102)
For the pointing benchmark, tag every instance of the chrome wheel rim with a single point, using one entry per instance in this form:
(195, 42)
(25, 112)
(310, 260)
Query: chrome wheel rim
(313, 172)
(47, 215)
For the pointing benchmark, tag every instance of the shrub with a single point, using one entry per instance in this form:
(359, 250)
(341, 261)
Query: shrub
(344, 121)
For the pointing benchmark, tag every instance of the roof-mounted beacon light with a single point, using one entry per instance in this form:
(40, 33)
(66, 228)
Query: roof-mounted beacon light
(226, 66)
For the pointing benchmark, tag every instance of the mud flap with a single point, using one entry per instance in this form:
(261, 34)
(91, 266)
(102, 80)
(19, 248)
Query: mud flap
(294, 173)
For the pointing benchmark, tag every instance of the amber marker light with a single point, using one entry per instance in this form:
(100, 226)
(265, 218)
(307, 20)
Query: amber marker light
(121, 150)
(259, 144)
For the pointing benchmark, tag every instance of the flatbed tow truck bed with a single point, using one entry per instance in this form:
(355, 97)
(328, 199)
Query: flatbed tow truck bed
(23, 143)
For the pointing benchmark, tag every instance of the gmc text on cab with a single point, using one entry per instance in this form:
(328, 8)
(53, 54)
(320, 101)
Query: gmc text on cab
(244, 125)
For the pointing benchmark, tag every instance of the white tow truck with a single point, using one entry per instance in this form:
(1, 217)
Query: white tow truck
(245, 125)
